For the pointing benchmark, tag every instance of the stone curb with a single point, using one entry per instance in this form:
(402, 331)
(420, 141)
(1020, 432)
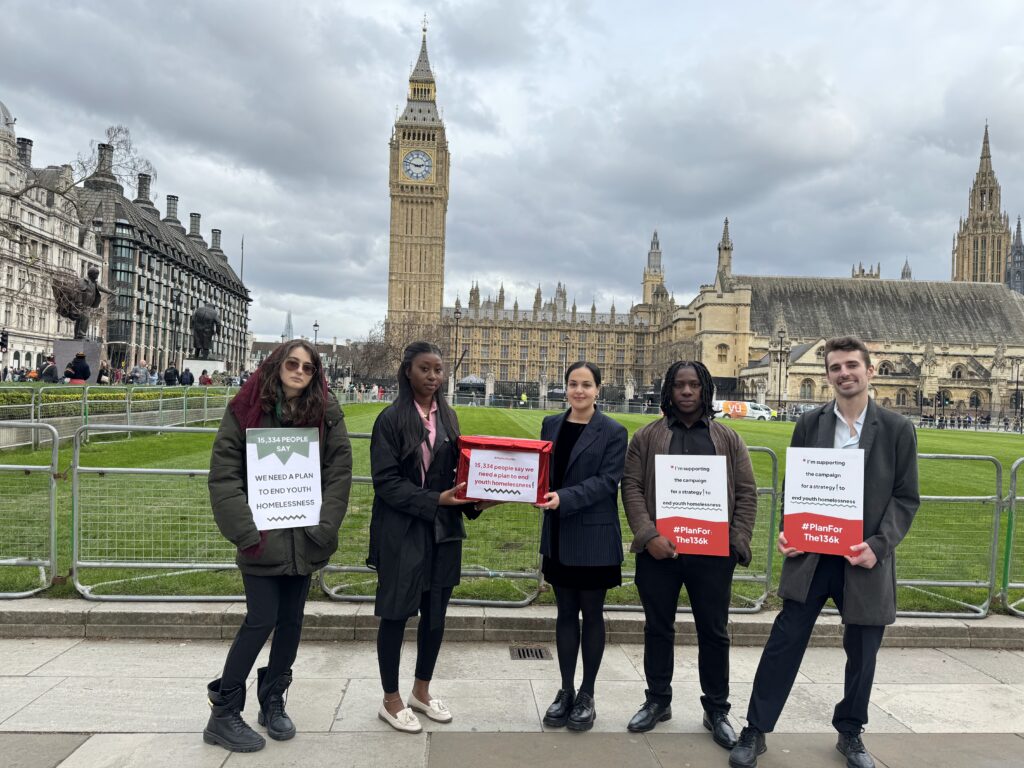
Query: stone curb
(40, 617)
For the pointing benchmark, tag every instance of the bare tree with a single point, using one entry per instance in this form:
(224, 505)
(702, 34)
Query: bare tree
(58, 183)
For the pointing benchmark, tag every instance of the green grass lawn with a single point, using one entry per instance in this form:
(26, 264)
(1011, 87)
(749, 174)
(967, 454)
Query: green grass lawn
(166, 519)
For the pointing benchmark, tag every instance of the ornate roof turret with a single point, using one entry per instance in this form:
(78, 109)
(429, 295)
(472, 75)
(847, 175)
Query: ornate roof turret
(421, 73)
(905, 274)
(726, 242)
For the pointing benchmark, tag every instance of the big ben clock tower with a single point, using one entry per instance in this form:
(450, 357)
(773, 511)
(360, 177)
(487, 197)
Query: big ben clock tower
(419, 203)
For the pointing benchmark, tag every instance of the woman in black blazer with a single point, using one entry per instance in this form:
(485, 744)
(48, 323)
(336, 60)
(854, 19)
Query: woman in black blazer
(581, 540)
(416, 529)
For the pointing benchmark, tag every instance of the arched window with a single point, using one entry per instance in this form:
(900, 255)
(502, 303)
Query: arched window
(807, 389)
(901, 397)
(820, 352)
(885, 368)
(723, 353)
(958, 372)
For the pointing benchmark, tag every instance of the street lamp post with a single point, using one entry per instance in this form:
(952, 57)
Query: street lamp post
(1016, 395)
(316, 330)
(457, 314)
(782, 337)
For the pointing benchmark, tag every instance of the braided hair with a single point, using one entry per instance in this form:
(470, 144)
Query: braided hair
(707, 387)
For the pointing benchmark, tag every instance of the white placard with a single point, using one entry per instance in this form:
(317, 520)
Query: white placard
(503, 475)
(691, 486)
(283, 469)
(824, 503)
(692, 503)
(826, 481)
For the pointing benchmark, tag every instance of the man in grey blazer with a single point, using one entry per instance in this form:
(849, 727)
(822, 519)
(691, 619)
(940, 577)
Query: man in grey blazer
(863, 583)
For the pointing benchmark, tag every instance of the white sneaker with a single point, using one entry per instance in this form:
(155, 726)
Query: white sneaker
(435, 709)
(405, 721)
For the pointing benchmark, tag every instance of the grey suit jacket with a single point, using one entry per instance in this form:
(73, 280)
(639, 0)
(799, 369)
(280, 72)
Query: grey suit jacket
(891, 499)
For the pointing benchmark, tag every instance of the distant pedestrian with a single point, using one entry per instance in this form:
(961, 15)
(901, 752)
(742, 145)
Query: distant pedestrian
(49, 371)
(276, 565)
(171, 376)
(204, 379)
(103, 377)
(187, 379)
(77, 371)
(140, 373)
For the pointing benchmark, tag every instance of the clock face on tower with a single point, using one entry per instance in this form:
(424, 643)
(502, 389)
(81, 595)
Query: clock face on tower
(417, 165)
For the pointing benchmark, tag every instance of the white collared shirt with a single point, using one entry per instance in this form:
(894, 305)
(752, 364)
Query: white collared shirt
(843, 437)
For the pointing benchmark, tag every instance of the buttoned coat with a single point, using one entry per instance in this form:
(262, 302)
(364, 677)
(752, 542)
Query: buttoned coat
(891, 499)
(415, 543)
(589, 532)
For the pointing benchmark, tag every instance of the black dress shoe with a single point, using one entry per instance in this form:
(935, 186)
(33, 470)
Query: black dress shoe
(583, 714)
(749, 745)
(558, 713)
(721, 730)
(852, 747)
(649, 715)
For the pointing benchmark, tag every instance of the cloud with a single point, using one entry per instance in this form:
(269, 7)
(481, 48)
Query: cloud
(576, 128)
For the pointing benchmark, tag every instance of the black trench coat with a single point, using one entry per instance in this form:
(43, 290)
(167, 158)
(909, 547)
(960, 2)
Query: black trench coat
(415, 544)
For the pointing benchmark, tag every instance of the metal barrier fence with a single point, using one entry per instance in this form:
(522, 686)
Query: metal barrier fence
(1013, 552)
(28, 505)
(502, 545)
(152, 519)
(762, 546)
(69, 407)
(953, 544)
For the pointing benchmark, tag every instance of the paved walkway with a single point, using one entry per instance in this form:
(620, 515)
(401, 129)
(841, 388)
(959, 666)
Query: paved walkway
(84, 703)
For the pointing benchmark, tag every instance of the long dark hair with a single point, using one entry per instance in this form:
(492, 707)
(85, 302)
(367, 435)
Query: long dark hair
(413, 433)
(308, 408)
(707, 387)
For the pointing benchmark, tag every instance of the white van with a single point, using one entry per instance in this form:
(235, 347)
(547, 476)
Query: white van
(742, 409)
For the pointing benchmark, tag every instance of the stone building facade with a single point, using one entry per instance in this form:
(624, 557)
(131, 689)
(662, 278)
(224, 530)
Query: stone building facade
(41, 236)
(159, 272)
(939, 347)
(983, 238)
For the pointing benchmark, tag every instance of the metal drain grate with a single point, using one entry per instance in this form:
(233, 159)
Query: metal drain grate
(533, 652)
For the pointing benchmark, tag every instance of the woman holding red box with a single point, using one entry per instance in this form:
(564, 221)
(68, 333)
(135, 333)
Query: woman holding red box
(416, 529)
(581, 539)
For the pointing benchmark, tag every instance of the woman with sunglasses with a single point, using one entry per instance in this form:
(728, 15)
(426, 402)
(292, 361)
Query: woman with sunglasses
(416, 529)
(287, 390)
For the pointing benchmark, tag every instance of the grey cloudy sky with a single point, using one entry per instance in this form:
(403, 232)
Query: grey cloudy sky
(828, 132)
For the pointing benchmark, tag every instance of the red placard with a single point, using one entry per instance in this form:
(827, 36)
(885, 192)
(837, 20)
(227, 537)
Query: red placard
(824, 534)
(543, 447)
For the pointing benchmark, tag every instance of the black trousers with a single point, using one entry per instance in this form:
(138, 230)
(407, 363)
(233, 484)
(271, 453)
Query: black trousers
(708, 582)
(784, 651)
(273, 604)
(429, 634)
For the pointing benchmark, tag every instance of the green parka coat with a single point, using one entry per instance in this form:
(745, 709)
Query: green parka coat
(287, 551)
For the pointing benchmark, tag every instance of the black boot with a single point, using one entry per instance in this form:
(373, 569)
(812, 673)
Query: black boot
(226, 726)
(272, 695)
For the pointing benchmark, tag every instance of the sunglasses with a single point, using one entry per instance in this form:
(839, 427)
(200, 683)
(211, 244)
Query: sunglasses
(293, 365)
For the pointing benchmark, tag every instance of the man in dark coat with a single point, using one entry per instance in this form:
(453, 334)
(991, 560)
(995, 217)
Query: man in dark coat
(49, 371)
(78, 369)
(863, 583)
(187, 379)
(171, 376)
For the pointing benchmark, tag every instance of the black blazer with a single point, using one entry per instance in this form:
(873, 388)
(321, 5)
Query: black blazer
(589, 532)
(415, 544)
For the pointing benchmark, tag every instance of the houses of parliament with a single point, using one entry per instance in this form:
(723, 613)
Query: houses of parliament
(955, 346)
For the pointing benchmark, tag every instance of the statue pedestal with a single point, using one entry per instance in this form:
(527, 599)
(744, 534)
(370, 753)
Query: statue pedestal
(198, 366)
(64, 351)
